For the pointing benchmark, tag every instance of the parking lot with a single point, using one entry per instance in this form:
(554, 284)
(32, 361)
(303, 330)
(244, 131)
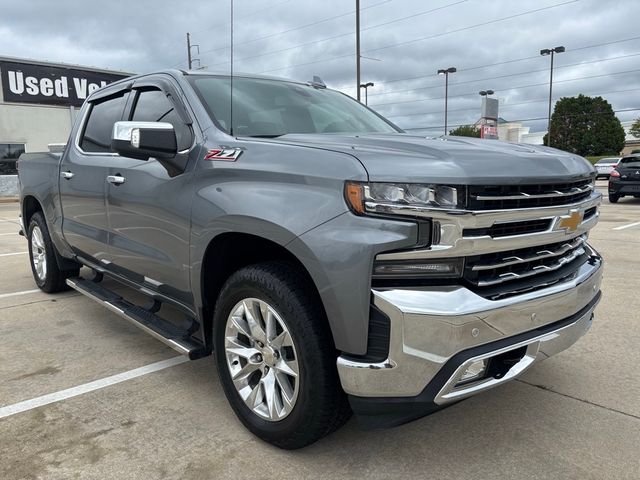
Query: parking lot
(119, 404)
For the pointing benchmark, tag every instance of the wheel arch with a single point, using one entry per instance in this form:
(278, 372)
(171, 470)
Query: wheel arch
(30, 205)
(230, 251)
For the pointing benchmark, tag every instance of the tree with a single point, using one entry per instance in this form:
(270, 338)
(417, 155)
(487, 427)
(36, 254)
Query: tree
(465, 131)
(635, 128)
(586, 126)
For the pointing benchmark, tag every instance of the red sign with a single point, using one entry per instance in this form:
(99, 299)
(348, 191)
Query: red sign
(489, 131)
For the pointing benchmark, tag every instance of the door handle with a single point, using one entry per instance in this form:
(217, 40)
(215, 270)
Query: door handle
(116, 179)
(66, 175)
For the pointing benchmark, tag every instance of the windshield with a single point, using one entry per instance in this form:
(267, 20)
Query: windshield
(630, 162)
(607, 161)
(270, 108)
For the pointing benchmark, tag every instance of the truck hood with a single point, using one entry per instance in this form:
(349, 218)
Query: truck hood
(451, 160)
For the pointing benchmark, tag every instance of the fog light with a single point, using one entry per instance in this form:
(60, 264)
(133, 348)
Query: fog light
(474, 372)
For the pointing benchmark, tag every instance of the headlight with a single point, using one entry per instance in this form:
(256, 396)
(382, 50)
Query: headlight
(400, 198)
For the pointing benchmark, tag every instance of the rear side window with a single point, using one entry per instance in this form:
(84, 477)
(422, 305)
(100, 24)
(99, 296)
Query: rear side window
(154, 106)
(97, 131)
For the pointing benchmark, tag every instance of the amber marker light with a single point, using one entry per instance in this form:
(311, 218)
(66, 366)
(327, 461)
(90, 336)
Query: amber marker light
(355, 197)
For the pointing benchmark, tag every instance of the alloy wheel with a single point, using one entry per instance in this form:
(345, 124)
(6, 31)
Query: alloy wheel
(38, 253)
(262, 359)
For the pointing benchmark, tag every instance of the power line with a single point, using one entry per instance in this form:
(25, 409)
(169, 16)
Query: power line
(482, 24)
(545, 70)
(424, 38)
(510, 88)
(350, 33)
(252, 14)
(477, 67)
(300, 27)
(527, 119)
(504, 105)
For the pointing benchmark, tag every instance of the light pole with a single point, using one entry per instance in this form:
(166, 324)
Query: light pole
(551, 52)
(366, 92)
(446, 72)
(486, 93)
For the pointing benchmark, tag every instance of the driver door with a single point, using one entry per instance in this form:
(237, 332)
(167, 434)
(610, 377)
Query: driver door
(149, 207)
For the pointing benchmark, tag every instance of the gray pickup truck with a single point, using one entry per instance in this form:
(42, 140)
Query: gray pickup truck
(329, 261)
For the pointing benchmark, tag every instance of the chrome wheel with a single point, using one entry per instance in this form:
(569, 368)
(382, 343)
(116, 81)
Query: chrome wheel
(262, 359)
(38, 253)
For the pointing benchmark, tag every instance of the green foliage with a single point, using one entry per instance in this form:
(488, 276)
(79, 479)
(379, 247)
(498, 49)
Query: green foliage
(586, 126)
(465, 131)
(635, 128)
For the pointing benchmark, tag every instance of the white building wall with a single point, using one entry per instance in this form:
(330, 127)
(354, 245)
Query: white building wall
(34, 125)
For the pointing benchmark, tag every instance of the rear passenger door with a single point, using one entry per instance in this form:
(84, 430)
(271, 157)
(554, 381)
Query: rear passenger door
(83, 177)
(149, 214)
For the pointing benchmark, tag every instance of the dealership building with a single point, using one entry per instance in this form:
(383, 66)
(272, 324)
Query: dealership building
(38, 105)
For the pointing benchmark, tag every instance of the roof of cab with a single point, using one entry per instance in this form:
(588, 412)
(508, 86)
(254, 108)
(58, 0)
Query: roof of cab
(105, 91)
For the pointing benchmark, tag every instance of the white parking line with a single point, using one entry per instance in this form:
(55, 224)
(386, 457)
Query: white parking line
(15, 294)
(12, 233)
(10, 254)
(89, 387)
(622, 227)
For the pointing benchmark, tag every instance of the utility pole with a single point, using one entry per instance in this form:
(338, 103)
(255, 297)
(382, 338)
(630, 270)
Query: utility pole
(358, 49)
(189, 50)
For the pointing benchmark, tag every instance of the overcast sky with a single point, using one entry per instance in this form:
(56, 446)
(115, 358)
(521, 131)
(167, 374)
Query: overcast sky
(403, 39)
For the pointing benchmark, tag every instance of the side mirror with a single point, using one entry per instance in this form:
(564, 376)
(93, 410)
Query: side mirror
(144, 140)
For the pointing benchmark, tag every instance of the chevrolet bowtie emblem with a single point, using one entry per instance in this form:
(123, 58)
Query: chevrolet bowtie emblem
(571, 222)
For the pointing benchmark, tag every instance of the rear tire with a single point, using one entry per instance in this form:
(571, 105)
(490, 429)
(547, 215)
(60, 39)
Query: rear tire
(613, 198)
(42, 254)
(258, 307)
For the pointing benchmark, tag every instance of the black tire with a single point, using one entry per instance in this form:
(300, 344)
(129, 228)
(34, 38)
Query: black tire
(613, 198)
(52, 278)
(321, 406)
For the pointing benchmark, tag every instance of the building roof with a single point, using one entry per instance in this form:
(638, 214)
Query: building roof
(30, 61)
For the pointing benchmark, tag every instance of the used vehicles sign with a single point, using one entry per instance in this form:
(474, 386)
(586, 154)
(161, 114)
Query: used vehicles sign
(49, 85)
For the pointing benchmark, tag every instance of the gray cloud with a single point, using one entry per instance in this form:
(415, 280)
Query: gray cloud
(145, 35)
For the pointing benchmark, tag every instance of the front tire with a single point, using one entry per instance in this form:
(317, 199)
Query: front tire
(276, 358)
(613, 198)
(46, 272)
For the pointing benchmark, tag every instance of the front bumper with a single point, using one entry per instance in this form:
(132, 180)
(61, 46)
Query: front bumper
(435, 332)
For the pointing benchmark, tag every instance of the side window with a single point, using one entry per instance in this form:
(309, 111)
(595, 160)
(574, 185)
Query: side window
(154, 106)
(97, 131)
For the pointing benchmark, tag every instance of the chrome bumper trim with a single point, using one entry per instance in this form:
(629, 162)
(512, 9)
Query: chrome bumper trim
(430, 325)
(538, 349)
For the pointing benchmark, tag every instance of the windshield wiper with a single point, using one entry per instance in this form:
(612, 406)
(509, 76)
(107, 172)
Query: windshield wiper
(266, 136)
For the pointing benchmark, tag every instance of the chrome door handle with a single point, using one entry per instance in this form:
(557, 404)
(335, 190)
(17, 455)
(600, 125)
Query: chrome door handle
(115, 179)
(66, 175)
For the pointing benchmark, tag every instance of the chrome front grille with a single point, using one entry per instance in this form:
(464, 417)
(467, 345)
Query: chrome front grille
(510, 228)
(505, 273)
(499, 197)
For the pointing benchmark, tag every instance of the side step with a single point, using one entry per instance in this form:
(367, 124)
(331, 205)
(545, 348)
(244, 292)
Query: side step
(141, 318)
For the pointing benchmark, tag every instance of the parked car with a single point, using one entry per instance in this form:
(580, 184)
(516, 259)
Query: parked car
(625, 179)
(605, 166)
(329, 261)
